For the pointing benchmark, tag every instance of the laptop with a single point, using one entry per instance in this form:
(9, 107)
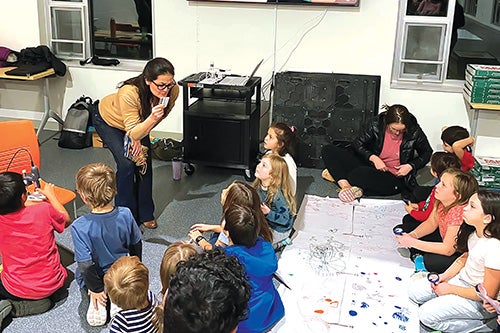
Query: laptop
(239, 80)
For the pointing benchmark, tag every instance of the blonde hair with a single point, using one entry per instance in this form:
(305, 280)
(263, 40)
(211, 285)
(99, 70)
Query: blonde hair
(175, 253)
(96, 183)
(280, 179)
(127, 283)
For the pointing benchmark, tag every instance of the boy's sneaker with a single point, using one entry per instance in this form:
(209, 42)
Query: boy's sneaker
(404, 252)
(5, 309)
(96, 317)
(28, 308)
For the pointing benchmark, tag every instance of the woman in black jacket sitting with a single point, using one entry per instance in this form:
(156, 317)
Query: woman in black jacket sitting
(382, 160)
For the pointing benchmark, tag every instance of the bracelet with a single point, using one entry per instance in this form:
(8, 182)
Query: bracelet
(198, 239)
(414, 233)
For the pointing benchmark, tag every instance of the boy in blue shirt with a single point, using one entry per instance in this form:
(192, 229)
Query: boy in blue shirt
(102, 236)
(258, 258)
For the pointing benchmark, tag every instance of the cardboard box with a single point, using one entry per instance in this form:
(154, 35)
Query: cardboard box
(490, 71)
(97, 141)
(482, 82)
(481, 99)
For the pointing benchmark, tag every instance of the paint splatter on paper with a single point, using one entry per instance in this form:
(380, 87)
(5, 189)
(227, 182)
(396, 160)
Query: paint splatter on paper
(341, 283)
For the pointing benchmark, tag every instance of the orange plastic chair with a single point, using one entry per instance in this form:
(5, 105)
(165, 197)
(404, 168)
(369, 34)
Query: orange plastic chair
(19, 151)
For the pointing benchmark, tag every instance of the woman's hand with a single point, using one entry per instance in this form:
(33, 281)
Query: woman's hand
(96, 298)
(403, 170)
(203, 227)
(157, 112)
(264, 208)
(405, 240)
(378, 163)
(193, 234)
(136, 147)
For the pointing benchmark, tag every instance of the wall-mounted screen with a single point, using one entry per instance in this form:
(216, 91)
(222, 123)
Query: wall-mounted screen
(353, 3)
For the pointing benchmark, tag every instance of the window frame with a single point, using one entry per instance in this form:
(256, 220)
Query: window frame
(84, 7)
(400, 80)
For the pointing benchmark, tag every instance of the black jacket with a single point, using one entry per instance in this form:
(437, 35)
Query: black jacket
(32, 60)
(415, 148)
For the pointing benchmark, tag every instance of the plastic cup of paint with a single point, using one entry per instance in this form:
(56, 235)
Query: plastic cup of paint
(433, 277)
(397, 230)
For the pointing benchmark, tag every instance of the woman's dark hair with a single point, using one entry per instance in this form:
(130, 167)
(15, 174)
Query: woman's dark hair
(242, 225)
(397, 113)
(154, 68)
(490, 202)
(286, 138)
(12, 189)
(454, 133)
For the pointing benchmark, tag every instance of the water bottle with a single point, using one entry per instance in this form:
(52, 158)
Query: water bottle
(418, 260)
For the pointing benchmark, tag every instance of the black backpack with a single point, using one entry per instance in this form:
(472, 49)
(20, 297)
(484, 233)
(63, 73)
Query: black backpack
(75, 133)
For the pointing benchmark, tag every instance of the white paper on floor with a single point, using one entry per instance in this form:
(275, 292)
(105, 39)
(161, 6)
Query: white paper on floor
(344, 271)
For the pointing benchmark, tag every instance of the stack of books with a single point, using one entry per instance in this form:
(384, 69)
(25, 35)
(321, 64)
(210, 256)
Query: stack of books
(482, 84)
(486, 170)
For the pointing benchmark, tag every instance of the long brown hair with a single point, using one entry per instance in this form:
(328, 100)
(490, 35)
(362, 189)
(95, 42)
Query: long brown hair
(490, 203)
(245, 195)
(154, 68)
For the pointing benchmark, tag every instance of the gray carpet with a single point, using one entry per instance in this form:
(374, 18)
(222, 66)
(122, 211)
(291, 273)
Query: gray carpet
(179, 204)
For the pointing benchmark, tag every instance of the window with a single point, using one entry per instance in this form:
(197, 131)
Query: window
(68, 33)
(120, 28)
(423, 41)
(436, 39)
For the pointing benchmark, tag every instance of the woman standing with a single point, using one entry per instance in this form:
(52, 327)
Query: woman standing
(382, 160)
(129, 115)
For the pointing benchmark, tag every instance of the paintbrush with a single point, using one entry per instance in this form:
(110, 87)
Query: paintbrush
(280, 280)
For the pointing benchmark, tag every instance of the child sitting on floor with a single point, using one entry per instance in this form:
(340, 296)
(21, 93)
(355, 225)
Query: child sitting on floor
(280, 139)
(127, 285)
(451, 304)
(32, 270)
(435, 238)
(236, 193)
(440, 161)
(260, 262)
(102, 236)
(273, 186)
(175, 253)
(456, 140)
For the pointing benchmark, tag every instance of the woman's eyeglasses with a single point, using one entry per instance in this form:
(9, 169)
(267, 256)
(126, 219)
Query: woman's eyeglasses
(165, 86)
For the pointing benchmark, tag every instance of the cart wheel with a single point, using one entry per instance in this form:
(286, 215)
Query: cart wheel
(188, 169)
(249, 176)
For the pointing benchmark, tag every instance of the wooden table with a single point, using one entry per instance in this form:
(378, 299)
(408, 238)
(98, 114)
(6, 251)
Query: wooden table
(48, 113)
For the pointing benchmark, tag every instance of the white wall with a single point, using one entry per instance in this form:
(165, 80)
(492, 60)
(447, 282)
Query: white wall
(192, 34)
